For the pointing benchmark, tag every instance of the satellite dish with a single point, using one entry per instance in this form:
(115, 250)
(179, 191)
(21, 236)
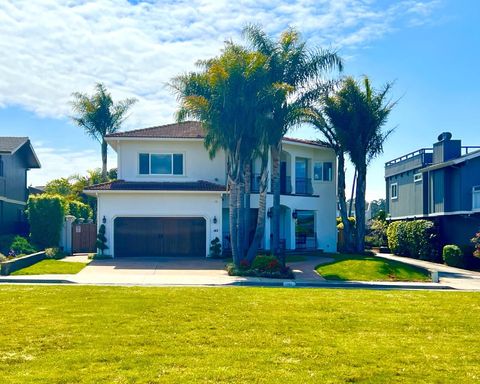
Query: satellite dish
(444, 136)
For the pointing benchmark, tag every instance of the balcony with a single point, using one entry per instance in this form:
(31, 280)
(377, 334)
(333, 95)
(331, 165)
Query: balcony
(303, 186)
(285, 184)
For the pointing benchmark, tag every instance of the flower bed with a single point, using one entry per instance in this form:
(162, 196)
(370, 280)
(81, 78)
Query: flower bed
(262, 266)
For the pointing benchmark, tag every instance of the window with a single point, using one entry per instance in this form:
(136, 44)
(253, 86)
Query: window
(417, 177)
(323, 171)
(394, 191)
(160, 163)
(476, 197)
(1, 166)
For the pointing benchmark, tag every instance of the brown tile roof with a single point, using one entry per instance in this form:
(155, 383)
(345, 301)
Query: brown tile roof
(187, 130)
(121, 185)
(184, 130)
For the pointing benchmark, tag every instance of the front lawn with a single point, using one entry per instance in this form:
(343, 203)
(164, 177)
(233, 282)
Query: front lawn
(369, 268)
(48, 266)
(84, 334)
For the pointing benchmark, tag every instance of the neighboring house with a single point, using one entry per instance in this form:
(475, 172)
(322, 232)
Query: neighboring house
(16, 158)
(440, 183)
(170, 197)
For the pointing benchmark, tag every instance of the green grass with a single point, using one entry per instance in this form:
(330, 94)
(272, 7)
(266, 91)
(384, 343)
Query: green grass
(51, 267)
(369, 268)
(83, 334)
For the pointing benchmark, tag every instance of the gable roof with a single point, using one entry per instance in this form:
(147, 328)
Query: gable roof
(10, 145)
(186, 130)
(121, 185)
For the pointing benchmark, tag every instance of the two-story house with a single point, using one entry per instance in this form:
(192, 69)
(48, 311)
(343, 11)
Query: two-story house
(16, 158)
(171, 199)
(440, 183)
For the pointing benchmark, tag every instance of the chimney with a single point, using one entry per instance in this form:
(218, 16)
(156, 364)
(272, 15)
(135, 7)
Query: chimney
(446, 148)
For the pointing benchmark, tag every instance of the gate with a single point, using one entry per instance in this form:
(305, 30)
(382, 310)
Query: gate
(84, 238)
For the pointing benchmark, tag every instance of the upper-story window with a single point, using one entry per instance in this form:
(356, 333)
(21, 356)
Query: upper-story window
(417, 177)
(323, 171)
(394, 191)
(160, 164)
(1, 166)
(476, 197)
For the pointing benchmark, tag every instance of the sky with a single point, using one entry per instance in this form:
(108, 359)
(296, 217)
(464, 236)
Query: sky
(430, 49)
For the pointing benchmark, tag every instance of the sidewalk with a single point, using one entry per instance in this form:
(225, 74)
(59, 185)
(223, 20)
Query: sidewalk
(456, 278)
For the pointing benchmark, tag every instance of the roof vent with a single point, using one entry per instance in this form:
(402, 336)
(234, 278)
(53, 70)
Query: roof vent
(444, 136)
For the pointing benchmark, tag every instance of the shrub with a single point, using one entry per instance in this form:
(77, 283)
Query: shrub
(21, 246)
(266, 263)
(378, 232)
(417, 239)
(453, 256)
(215, 248)
(45, 215)
(80, 210)
(476, 244)
(101, 239)
(340, 224)
(6, 243)
(54, 253)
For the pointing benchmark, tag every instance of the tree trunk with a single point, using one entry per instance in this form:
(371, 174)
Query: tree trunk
(247, 211)
(353, 193)
(232, 208)
(360, 208)
(262, 208)
(275, 151)
(347, 230)
(104, 160)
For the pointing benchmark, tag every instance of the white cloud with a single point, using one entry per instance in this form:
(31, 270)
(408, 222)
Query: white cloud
(53, 48)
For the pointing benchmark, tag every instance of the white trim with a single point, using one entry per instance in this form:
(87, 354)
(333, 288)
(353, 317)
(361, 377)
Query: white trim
(149, 174)
(435, 214)
(133, 191)
(417, 177)
(396, 190)
(12, 201)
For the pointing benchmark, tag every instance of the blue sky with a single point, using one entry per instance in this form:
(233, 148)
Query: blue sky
(430, 48)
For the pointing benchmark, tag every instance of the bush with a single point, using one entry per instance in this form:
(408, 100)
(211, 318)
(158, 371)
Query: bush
(21, 246)
(340, 223)
(266, 263)
(453, 256)
(6, 243)
(54, 253)
(80, 210)
(45, 215)
(378, 232)
(476, 244)
(101, 239)
(215, 248)
(417, 239)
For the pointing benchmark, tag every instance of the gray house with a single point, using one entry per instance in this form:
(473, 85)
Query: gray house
(441, 184)
(16, 158)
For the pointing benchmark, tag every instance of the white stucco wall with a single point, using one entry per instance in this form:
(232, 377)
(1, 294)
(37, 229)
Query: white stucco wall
(197, 163)
(177, 204)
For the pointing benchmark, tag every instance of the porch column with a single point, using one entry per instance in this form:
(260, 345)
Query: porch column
(292, 230)
(292, 173)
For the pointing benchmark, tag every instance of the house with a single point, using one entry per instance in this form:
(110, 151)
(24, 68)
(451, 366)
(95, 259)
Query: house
(171, 198)
(441, 184)
(16, 158)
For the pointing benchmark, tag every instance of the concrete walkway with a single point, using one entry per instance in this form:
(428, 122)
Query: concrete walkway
(456, 278)
(199, 272)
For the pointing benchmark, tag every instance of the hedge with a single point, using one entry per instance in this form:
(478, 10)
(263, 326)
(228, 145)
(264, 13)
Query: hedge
(80, 210)
(453, 256)
(417, 239)
(46, 215)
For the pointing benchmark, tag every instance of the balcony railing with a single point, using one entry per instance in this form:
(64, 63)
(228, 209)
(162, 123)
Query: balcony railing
(285, 184)
(303, 186)
(304, 241)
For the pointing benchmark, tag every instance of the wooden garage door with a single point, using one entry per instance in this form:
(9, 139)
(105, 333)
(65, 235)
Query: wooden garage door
(159, 236)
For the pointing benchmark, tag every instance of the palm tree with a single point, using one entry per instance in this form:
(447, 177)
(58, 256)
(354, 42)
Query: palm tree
(358, 115)
(227, 95)
(99, 116)
(292, 69)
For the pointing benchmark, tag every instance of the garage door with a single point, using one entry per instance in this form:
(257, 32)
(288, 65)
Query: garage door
(159, 236)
